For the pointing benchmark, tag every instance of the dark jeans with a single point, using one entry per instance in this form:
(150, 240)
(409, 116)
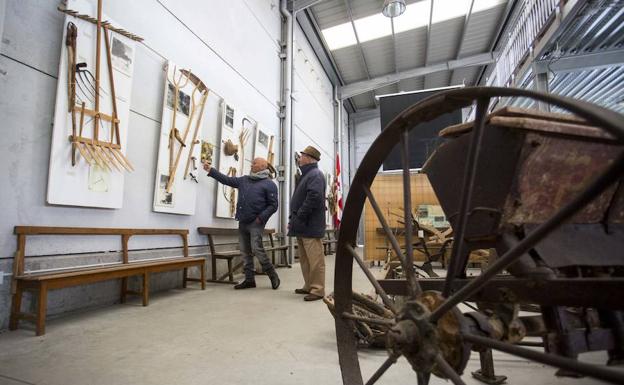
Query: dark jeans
(250, 239)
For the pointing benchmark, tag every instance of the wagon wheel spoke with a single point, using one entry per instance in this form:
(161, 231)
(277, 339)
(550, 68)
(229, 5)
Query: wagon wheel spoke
(388, 363)
(423, 378)
(377, 321)
(614, 172)
(382, 293)
(601, 373)
(411, 284)
(448, 371)
(458, 257)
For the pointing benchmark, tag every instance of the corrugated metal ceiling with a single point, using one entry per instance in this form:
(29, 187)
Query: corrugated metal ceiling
(597, 28)
(409, 49)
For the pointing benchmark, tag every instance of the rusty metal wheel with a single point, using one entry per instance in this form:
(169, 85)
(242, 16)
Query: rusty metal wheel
(428, 329)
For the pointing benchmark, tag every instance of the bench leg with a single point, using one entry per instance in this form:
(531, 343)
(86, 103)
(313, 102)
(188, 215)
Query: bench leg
(202, 275)
(145, 291)
(214, 268)
(230, 270)
(41, 308)
(184, 278)
(124, 289)
(285, 257)
(16, 308)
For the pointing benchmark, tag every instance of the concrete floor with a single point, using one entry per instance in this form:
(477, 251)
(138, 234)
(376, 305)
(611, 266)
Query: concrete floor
(256, 336)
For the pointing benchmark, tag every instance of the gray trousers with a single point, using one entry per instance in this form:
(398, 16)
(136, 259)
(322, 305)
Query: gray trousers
(250, 239)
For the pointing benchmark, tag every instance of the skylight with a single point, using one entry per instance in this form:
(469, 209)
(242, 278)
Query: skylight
(416, 15)
(339, 36)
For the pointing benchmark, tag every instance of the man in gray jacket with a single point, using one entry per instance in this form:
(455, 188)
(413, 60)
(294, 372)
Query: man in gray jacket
(257, 201)
(307, 223)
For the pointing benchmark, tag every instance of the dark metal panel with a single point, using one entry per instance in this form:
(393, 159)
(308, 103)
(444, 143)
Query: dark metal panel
(587, 292)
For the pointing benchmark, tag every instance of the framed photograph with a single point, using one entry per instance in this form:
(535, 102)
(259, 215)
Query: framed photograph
(184, 100)
(164, 198)
(263, 138)
(229, 116)
(121, 56)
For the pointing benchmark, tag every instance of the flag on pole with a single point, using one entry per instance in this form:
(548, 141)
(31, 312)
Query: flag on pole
(337, 194)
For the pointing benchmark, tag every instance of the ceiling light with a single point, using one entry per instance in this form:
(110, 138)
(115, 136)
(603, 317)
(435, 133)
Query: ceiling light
(393, 8)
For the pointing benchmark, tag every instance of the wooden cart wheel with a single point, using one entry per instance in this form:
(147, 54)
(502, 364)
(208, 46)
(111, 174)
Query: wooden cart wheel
(428, 329)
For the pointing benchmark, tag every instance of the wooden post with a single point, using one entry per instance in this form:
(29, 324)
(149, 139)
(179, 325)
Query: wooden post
(18, 261)
(124, 245)
(16, 308)
(145, 289)
(202, 274)
(124, 280)
(41, 308)
(185, 243)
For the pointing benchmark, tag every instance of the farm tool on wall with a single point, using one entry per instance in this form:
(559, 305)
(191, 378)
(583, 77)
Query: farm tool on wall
(243, 137)
(194, 141)
(271, 157)
(546, 192)
(230, 196)
(174, 133)
(106, 154)
(200, 87)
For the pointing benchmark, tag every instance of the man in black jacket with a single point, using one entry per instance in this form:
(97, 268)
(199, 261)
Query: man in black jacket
(257, 201)
(307, 223)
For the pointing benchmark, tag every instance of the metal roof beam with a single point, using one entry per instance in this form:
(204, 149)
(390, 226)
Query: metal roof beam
(361, 87)
(499, 33)
(299, 5)
(357, 39)
(428, 40)
(460, 44)
(583, 62)
(563, 18)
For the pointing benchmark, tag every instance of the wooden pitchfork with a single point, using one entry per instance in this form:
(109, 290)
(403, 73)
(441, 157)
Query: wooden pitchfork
(173, 167)
(204, 90)
(177, 84)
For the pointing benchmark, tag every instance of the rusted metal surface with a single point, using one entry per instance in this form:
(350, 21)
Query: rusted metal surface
(551, 173)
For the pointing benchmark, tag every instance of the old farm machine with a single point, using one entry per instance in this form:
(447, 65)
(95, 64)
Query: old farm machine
(544, 192)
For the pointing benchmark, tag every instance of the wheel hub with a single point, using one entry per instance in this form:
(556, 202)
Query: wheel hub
(414, 337)
(420, 341)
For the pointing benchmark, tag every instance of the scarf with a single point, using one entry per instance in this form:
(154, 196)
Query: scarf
(264, 174)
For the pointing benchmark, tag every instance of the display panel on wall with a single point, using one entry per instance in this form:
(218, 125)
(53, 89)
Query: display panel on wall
(424, 139)
(264, 146)
(89, 154)
(237, 131)
(180, 148)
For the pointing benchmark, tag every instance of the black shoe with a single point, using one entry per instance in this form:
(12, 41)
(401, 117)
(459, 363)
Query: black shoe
(312, 297)
(302, 291)
(245, 285)
(275, 281)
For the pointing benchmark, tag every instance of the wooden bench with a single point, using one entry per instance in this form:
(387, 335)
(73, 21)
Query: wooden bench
(274, 248)
(331, 238)
(41, 283)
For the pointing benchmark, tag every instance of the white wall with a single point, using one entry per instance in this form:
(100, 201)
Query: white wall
(366, 131)
(313, 112)
(231, 45)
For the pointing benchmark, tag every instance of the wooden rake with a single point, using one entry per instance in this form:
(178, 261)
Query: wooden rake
(106, 154)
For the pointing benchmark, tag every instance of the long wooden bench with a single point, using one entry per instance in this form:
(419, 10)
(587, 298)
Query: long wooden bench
(229, 255)
(41, 283)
